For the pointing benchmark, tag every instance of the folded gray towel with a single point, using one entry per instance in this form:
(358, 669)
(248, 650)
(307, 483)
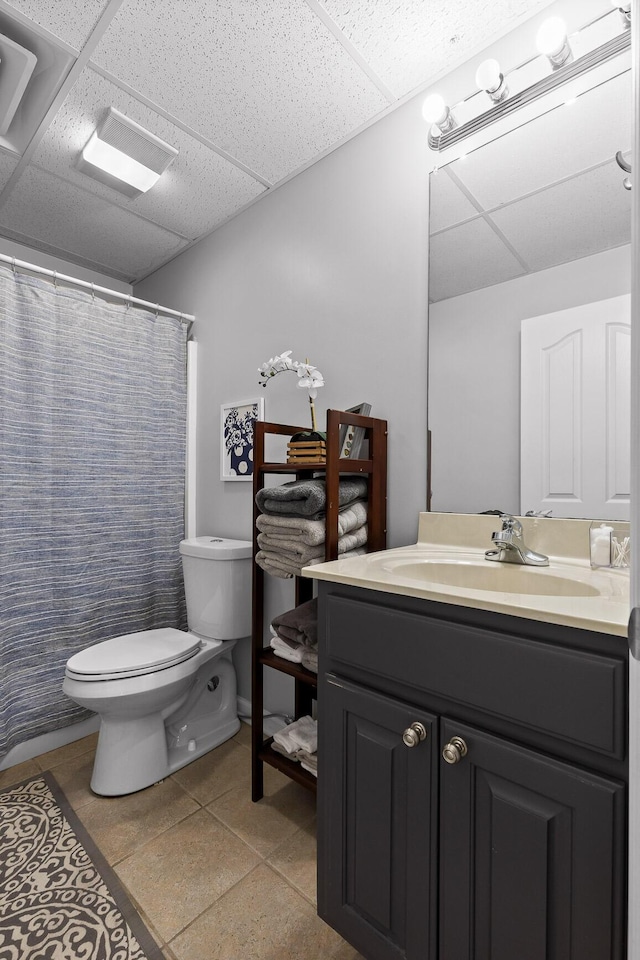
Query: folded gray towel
(308, 498)
(280, 566)
(300, 624)
(312, 532)
(294, 549)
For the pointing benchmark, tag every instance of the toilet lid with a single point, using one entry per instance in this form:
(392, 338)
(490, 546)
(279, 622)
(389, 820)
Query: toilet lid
(134, 653)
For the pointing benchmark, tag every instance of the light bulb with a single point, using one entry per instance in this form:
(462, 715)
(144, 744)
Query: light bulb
(434, 108)
(490, 79)
(552, 41)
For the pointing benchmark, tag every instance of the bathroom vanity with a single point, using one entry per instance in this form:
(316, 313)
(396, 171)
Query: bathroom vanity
(473, 755)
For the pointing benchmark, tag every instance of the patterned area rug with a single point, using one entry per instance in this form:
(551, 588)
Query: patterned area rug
(59, 899)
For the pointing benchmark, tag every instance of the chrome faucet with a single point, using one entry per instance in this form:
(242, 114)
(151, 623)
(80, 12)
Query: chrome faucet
(511, 548)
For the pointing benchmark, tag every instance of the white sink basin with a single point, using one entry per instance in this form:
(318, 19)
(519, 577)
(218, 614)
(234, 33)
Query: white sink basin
(491, 576)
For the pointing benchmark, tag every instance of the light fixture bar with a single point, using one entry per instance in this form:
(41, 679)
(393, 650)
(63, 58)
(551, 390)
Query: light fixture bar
(607, 51)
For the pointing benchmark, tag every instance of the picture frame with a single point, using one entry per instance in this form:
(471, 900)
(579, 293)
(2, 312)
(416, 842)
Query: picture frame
(351, 437)
(236, 437)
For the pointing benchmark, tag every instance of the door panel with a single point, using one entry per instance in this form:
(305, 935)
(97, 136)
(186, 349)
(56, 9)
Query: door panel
(376, 835)
(530, 848)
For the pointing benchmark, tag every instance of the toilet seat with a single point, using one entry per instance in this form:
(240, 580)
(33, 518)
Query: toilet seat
(133, 654)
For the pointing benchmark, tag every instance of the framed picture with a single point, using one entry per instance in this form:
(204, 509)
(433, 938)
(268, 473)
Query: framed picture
(236, 438)
(351, 437)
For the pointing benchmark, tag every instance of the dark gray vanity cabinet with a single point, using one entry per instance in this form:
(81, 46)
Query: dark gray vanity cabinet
(514, 849)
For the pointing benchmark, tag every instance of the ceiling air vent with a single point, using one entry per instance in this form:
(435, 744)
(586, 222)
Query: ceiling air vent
(125, 156)
(16, 66)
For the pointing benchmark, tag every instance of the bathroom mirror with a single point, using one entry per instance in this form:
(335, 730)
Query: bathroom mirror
(534, 222)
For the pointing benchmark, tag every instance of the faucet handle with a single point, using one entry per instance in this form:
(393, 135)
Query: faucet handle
(510, 523)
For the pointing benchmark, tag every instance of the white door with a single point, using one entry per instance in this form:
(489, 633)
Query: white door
(575, 411)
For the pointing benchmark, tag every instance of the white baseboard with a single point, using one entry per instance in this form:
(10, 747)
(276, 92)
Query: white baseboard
(49, 741)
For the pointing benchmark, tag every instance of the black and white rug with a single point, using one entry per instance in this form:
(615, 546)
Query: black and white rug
(59, 899)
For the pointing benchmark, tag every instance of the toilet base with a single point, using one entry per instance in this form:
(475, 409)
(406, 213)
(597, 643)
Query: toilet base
(136, 752)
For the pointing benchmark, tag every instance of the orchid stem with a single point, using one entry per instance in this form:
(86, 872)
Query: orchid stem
(313, 415)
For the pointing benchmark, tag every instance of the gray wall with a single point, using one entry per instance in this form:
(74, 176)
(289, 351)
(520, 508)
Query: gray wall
(333, 266)
(474, 376)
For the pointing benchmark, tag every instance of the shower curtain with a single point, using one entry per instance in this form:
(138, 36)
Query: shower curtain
(92, 460)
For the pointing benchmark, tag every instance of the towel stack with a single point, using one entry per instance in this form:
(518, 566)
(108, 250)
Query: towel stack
(293, 529)
(299, 741)
(294, 635)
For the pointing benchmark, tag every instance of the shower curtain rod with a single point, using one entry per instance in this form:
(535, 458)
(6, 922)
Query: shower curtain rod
(33, 268)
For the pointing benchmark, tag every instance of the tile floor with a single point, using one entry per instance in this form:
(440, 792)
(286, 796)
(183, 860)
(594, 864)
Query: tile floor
(213, 875)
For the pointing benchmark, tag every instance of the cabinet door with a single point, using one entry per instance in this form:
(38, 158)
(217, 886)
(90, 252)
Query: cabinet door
(531, 854)
(376, 862)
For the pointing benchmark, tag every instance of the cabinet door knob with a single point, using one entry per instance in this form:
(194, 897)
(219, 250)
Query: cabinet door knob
(455, 750)
(414, 734)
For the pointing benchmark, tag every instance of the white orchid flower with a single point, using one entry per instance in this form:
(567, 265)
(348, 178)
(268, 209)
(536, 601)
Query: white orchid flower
(309, 377)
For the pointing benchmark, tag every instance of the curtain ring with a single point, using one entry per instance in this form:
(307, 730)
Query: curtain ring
(157, 310)
(127, 304)
(55, 279)
(13, 265)
(93, 292)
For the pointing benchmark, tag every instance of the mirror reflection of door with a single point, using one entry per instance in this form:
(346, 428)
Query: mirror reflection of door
(535, 222)
(575, 411)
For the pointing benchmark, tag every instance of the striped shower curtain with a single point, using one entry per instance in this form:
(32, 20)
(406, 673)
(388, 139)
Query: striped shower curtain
(92, 455)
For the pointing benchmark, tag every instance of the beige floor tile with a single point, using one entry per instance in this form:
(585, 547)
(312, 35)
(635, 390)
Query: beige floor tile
(51, 759)
(295, 859)
(261, 918)
(344, 952)
(74, 776)
(20, 772)
(180, 873)
(222, 769)
(285, 807)
(120, 825)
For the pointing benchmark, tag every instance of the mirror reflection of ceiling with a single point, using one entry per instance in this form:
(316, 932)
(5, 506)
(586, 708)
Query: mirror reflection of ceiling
(547, 193)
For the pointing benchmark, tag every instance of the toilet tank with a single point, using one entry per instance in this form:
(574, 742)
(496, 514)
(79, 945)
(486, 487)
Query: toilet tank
(217, 584)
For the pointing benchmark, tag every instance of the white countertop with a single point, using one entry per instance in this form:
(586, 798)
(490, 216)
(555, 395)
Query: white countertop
(447, 541)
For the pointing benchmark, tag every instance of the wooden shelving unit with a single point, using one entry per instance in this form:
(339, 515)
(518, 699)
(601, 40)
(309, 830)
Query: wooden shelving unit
(375, 469)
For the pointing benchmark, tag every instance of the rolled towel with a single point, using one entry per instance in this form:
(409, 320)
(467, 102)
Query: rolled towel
(312, 532)
(309, 768)
(294, 549)
(299, 624)
(285, 753)
(279, 566)
(308, 498)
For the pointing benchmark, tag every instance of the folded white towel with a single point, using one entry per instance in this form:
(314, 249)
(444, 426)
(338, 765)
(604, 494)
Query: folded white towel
(310, 769)
(284, 649)
(304, 733)
(311, 759)
(299, 735)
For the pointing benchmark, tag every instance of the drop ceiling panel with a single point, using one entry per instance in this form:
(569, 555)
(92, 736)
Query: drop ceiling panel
(267, 83)
(574, 219)
(467, 258)
(564, 141)
(7, 166)
(448, 204)
(66, 19)
(198, 191)
(43, 208)
(406, 43)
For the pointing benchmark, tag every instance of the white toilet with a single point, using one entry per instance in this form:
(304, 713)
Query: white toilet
(166, 696)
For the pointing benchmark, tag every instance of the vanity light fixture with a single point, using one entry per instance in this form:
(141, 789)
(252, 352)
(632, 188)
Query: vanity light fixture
(491, 80)
(436, 112)
(125, 156)
(601, 39)
(552, 42)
